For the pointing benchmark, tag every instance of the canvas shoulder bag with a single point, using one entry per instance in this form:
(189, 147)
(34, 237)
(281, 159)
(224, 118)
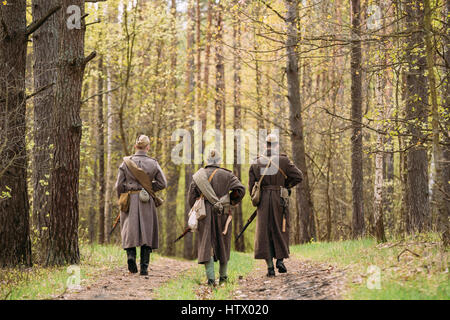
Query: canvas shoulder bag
(198, 210)
(256, 190)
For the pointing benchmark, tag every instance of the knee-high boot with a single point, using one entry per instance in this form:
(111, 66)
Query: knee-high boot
(145, 259)
(131, 260)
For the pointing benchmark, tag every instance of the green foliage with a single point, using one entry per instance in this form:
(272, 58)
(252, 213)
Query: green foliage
(6, 194)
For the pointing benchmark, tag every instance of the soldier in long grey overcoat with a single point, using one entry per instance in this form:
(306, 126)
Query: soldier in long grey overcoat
(270, 240)
(139, 227)
(212, 244)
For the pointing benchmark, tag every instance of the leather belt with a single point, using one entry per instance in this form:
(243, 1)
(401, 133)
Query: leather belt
(134, 191)
(271, 187)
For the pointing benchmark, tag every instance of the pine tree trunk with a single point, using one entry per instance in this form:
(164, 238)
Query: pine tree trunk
(101, 153)
(189, 248)
(14, 208)
(208, 39)
(237, 125)
(416, 113)
(306, 214)
(379, 156)
(93, 194)
(173, 171)
(444, 210)
(220, 76)
(45, 52)
(66, 124)
(356, 116)
(111, 120)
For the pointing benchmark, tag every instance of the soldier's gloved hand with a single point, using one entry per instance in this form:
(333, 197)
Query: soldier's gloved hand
(289, 192)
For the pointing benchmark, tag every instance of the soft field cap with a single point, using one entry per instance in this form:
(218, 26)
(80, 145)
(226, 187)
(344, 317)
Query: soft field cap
(213, 157)
(272, 138)
(142, 141)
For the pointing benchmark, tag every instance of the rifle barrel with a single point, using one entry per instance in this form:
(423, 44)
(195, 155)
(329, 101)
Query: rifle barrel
(252, 217)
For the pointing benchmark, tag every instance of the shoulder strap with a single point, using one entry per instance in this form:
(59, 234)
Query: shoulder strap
(264, 173)
(212, 175)
(140, 175)
(281, 170)
(209, 180)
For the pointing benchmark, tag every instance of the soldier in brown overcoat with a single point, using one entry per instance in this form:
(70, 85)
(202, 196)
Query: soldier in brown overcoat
(213, 245)
(272, 225)
(139, 227)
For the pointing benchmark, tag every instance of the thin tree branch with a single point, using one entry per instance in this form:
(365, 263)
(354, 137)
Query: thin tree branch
(273, 10)
(39, 91)
(99, 94)
(90, 57)
(37, 24)
(91, 23)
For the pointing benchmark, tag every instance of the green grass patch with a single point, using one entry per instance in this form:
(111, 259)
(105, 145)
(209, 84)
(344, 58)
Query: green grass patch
(40, 282)
(408, 269)
(191, 285)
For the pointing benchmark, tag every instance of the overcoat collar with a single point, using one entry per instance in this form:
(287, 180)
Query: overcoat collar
(140, 153)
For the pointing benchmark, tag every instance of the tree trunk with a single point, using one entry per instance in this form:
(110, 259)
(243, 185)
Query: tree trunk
(93, 194)
(111, 120)
(45, 52)
(173, 176)
(220, 76)
(306, 214)
(206, 69)
(101, 156)
(237, 124)
(356, 116)
(189, 249)
(109, 194)
(416, 113)
(379, 155)
(14, 207)
(444, 208)
(66, 124)
(173, 171)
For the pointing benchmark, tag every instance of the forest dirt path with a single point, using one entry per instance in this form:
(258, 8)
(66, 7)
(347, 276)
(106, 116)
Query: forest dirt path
(305, 280)
(119, 284)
